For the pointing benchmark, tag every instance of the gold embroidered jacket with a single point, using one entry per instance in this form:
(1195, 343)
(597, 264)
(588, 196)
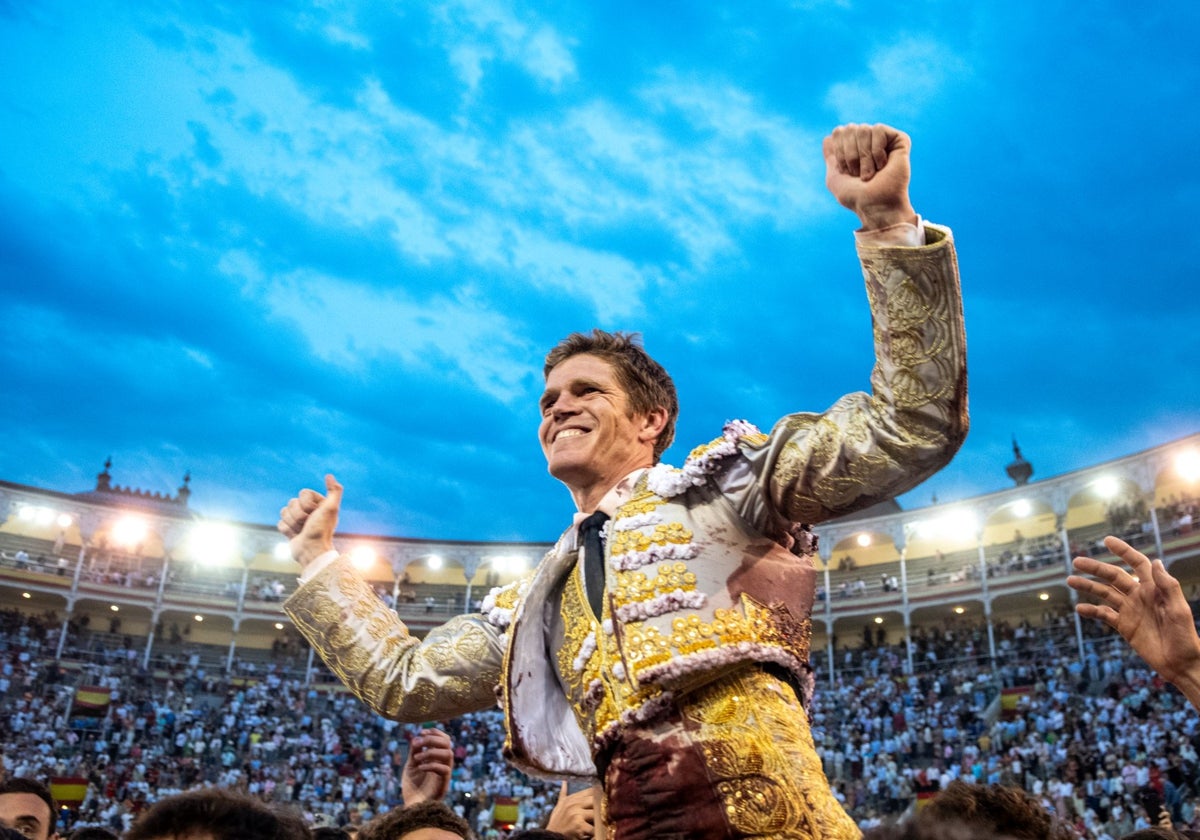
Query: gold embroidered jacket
(702, 571)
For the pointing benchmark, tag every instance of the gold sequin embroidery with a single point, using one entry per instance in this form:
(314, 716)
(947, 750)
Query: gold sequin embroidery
(641, 502)
(760, 755)
(597, 695)
(646, 647)
(755, 439)
(508, 597)
(623, 542)
(637, 586)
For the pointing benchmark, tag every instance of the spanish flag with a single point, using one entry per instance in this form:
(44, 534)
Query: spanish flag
(68, 791)
(506, 811)
(91, 701)
(924, 797)
(1010, 700)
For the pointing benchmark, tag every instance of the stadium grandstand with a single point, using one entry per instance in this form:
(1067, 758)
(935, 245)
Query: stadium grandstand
(144, 650)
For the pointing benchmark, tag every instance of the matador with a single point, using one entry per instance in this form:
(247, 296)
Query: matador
(662, 645)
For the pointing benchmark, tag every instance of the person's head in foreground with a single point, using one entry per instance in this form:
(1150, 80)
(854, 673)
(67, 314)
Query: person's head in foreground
(27, 807)
(216, 814)
(996, 809)
(92, 832)
(326, 832)
(432, 820)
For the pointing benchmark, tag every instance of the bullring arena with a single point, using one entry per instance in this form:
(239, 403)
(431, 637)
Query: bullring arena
(145, 651)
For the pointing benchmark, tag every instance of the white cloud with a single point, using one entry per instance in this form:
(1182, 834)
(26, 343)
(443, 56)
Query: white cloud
(600, 165)
(613, 284)
(540, 198)
(547, 56)
(199, 357)
(517, 37)
(820, 5)
(902, 79)
(334, 20)
(352, 326)
(468, 61)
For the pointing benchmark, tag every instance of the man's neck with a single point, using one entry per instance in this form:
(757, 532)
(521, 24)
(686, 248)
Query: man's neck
(608, 499)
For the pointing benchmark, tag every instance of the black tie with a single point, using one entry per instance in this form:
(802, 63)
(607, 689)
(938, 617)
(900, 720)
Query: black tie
(593, 559)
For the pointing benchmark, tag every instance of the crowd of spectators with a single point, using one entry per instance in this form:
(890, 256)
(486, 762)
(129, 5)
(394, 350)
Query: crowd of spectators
(1089, 739)
(270, 737)
(1096, 740)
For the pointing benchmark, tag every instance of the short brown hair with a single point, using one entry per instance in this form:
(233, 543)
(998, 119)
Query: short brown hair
(226, 814)
(1002, 809)
(647, 383)
(430, 814)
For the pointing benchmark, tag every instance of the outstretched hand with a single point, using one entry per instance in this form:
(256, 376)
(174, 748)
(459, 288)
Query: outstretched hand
(867, 169)
(309, 520)
(1147, 608)
(426, 774)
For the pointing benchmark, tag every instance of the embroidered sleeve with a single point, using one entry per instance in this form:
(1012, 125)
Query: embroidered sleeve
(455, 669)
(870, 447)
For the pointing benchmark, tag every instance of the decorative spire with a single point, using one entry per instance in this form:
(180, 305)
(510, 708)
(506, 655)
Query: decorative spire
(185, 492)
(104, 479)
(1019, 470)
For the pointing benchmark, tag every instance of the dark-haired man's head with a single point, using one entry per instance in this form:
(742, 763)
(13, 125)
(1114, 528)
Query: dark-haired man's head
(1154, 832)
(92, 832)
(216, 814)
(997, 809)
(327, 832)
(432, 820)
(27, 806)
(914, 828)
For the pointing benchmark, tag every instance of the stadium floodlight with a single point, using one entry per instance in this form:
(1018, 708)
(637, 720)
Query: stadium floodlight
(282, 551)
(1106, 487)
(1044, 596)
(37, 514)
(64, 520)
(1022, 508)
(213, 543)
(130, 531)
(363, 557)
(26, 595)
(511, 564)
(433, 561)
(1187, 464)
(960, 524)
(863, 540)
(278, 625)
(959, 610)
(114, 608)
(198, 617)
(879, 619)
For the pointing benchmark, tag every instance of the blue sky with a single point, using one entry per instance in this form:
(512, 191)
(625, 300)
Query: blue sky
(262, 241)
